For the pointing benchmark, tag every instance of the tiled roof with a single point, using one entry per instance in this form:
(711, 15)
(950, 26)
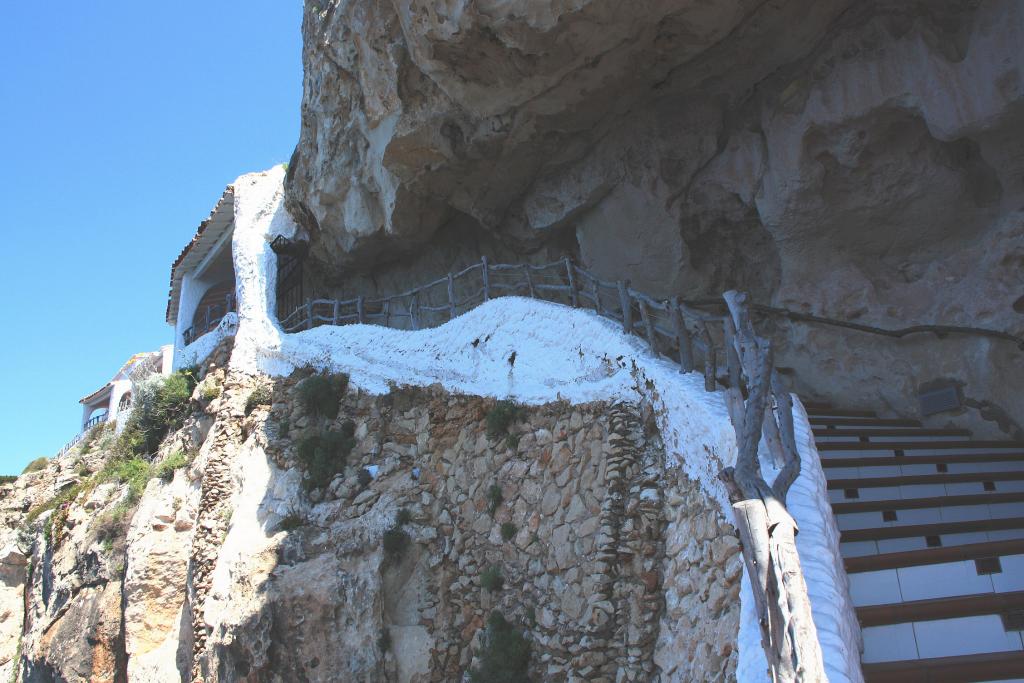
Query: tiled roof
(209, 233)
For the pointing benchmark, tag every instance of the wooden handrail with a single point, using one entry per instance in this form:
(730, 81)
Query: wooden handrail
(671, 328)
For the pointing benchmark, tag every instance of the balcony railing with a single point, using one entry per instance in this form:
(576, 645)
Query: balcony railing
(210, 318)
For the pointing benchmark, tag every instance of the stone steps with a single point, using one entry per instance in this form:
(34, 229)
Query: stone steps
(932, 533)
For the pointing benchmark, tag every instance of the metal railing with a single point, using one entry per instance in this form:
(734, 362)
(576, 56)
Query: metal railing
(89, 424)
(211, 318)
(671, 328)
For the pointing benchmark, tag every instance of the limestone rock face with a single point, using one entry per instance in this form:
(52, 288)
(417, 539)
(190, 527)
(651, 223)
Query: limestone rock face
(854, 160)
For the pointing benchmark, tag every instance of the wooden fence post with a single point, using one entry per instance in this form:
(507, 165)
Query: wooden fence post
(414, 311)
(573, 296)
(386, 305)
(627, 306)
(486, 278)
(682, 337)
(309, 314)
(360, 313)
(710, 361)
(337, 307)
(529, 280)
(451, 297)
(596, 291)
(645, 315)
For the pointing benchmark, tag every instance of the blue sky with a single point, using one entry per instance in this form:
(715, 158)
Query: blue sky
(120, 124)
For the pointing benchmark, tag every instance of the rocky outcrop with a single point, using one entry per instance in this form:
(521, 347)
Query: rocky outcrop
(238, 565)
(854, 160)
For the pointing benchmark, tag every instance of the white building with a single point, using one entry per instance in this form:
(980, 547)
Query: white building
(113, 400)
(201, 305)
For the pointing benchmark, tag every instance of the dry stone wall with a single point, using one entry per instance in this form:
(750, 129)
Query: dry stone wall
(586, 516)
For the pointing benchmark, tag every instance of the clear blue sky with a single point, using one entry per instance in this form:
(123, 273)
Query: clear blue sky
(120, 124)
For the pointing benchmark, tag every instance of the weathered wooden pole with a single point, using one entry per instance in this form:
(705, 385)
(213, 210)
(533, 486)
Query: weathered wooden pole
(710, 361)
(309, 314)
(789, 636)
(645, 316)
(414, 311)
(336, 312)
(486, 278)
(451, 297)
(573, 296)
(596, 292)
(529, 280)
(627, 306)
(360, 310)
(682, 337)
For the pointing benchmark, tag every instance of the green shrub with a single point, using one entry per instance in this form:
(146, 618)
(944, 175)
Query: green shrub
(508, 531)
(210, 392)
(111, 526)
(324, 455)
(492, 579)
(135, 472)
(403, 517)
(36, 465)
(284, 426)
(500, 418)
(93, 436)
(262, 395)
(320, 395)
(8, 478)
(160, 406)
(505, 655)
(173, 462)
(395, 541)
(494, 498)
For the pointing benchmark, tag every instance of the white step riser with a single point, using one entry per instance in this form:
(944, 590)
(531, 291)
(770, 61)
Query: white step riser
(925, 491)
(900, 545)
(961, 513)
(875, 472)
(944, 638)
(934, 581)
(911, 452)
(881, 439)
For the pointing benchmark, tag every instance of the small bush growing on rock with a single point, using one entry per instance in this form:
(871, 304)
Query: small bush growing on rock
(492, 579)
(363, 477)
(172, 463)
(160, 406)
(505, 656)
(324, 455)
(210, 392)
(508, 531)
(320, 395)
(8, 478)
(112, 525)
(93, 436)
(384, 641)
(500, 418)
(403, 517)
(36, 465)
(262, 395)
(283, 427)
(494, 498)
(395, 541)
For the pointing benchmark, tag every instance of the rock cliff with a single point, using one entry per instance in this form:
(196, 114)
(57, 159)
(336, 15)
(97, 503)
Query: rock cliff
(249, 555)
(854, 160)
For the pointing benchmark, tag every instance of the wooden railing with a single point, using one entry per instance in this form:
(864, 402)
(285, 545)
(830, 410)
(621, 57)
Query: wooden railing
(671, 328)
(211, 318)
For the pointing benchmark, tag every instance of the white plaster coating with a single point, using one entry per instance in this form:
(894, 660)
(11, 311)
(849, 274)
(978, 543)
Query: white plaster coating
(199, 350)
(561, 353)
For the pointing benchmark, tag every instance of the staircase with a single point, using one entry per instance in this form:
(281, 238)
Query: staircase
(932, 532)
